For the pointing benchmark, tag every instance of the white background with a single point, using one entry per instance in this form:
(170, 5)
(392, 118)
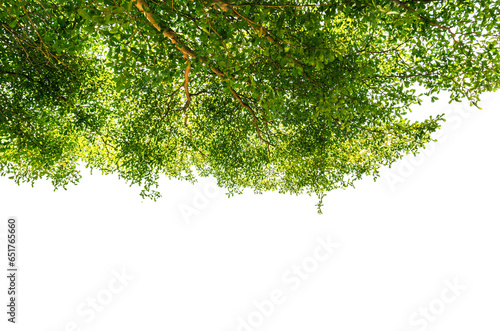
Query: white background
(427, 222)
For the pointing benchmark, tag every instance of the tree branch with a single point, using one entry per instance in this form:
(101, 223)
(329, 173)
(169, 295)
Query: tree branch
(253, 115)
(172, 35)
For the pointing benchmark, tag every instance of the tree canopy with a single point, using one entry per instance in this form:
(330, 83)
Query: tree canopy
(294, 96)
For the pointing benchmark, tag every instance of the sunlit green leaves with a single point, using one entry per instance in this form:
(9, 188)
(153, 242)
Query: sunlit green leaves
(311, 98)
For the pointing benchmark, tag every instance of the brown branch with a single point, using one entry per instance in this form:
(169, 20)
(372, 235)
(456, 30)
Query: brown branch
(253, 115)
(16, 74)
(198, 93)
(47, 53)
(211, 27)
(172, 35)
(19, 41)
(187, 52)
(256, 26)
(186, 86)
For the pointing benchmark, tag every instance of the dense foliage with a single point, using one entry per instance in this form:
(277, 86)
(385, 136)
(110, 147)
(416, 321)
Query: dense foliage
(287, 95)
